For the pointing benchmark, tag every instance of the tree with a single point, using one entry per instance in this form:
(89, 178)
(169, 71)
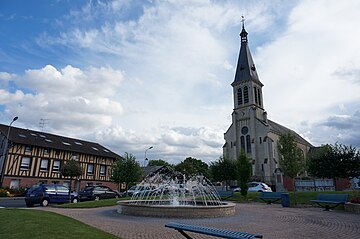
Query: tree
(224, 169)
(292, 160)
(244, 172)
(334, 161)
(159, 162)
(126, 170)
(72, 169)
(192, 166)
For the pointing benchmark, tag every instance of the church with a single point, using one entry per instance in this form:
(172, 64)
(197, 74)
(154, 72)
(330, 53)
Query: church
(251, 130)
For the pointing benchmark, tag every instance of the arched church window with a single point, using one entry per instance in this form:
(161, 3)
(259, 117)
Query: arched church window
(248, 144)
(242, 142)
(239, 95)
(246, 95)
(256, 95)
(259, 96)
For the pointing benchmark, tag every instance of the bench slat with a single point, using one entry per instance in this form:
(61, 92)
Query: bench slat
(212, 231)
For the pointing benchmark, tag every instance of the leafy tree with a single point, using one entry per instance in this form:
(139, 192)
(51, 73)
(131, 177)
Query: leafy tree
(192, 166)
(334, 161)
(159, 162)
(72, 169)
(244, 172)
(126, 170)
(292, 160)
(224, 169)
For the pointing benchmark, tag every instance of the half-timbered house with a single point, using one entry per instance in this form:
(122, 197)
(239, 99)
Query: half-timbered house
(36, 157)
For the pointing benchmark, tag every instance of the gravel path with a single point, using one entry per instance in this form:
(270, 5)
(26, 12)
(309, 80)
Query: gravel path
(272, 221)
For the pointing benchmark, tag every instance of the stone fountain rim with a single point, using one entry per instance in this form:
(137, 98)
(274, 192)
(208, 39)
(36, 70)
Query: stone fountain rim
(129, 203)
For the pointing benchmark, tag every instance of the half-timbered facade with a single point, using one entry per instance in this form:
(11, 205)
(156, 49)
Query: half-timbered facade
(34, 157)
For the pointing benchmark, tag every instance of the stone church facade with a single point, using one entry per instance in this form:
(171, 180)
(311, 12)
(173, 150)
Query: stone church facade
(251, 130)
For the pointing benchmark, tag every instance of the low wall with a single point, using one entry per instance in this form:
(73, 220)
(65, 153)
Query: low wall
(352, 207)
(126, 208)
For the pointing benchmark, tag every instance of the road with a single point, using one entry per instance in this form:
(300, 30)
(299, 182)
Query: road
(9, 202)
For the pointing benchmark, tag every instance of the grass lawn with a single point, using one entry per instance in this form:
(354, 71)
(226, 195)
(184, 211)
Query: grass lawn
(29, 223)
(92, 204)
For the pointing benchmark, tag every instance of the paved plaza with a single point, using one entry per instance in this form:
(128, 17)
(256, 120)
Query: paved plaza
(272, 221)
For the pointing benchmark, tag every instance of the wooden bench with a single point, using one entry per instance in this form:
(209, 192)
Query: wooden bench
(330, 201)
(180, 227)
(270, 197)
(226, 193)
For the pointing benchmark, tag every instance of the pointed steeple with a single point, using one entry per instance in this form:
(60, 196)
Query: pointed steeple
(245, 70)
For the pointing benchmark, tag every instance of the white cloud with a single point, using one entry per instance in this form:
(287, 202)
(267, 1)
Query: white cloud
(300, 64)
(69, 97)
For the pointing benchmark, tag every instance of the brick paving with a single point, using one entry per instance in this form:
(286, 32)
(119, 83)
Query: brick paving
(272, 221)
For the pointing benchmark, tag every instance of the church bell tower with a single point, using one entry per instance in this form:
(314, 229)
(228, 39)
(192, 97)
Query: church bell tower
(248, 106)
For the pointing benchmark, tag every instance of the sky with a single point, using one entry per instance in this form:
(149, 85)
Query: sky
(131, 74)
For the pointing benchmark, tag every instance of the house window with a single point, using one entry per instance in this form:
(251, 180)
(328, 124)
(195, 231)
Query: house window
(46, 151)
(90, 169)
(239, 95)
(15, 183)
(25, 163)
(246, 95)
(28, 148)
(56, 166)
(75, 156)
(102, 170)
(44, 166)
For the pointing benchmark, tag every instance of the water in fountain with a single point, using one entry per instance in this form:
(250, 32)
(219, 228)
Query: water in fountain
(168, 187)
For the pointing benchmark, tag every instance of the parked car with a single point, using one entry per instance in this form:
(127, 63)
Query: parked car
(256, 187)
(143, 190)
(130, 191)
(44, 194)
(97, 192)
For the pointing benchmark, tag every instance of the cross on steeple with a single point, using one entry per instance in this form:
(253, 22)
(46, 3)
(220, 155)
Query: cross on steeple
(243, 33)
(242, 20)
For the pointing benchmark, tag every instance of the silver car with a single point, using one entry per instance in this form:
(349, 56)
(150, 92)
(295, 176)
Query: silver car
(256, 187)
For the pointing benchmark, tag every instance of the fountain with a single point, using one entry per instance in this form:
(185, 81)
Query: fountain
(170, 194)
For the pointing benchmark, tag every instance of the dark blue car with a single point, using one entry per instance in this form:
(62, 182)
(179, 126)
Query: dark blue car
(44, 194)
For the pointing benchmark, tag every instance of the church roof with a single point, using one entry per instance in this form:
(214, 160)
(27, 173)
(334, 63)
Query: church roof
(245, 70)
(280, 129)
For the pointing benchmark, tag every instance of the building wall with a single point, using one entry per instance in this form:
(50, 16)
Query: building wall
(14, 170)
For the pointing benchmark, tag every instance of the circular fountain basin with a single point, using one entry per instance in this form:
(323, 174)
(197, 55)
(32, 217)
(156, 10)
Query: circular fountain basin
(184, 210)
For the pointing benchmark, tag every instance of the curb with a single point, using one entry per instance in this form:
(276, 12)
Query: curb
(12, 198)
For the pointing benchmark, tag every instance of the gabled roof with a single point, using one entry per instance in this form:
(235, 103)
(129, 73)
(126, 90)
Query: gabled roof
(151, 169)
(245, 70)
(52, 141)
(279, 129)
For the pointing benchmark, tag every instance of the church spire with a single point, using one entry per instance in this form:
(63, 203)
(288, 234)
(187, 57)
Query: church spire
(245, 70)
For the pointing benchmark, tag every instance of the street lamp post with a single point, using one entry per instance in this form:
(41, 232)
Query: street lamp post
(146, 159)
(3, 165)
